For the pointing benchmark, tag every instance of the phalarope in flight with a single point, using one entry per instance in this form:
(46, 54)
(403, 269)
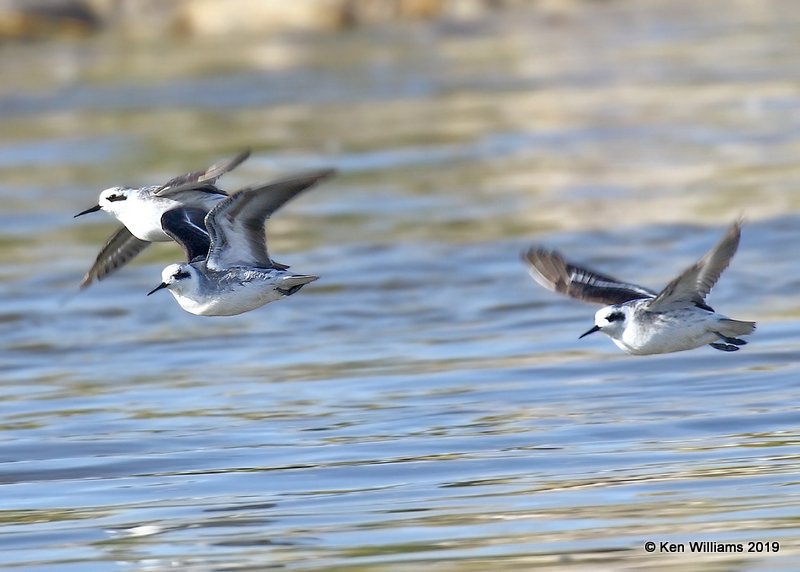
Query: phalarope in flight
(641, 321)
(236, 273)
(140, 210)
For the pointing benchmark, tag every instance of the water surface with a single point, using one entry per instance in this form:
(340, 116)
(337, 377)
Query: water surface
(424, 402)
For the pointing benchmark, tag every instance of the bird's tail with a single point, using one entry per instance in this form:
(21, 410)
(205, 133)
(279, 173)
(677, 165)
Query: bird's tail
(292, 283)
(734, 328)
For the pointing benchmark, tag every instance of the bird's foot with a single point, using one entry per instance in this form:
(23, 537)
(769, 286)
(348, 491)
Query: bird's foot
(725, 347)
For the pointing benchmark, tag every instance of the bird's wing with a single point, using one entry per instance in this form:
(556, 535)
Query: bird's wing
(209, 175)
(550, 270)
(120, 248)
(183, 193)
(694, 283)
(236, 224)
(186, 226)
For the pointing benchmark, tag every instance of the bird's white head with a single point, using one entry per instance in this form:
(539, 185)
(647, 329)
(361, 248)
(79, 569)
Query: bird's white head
(115, 199)
(178, 279)
(111, 200)
(610, 320)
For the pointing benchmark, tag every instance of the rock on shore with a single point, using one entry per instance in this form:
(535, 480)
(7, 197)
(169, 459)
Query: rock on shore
(26, 19)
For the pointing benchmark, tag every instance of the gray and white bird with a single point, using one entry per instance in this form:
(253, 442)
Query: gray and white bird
(641, 321)
(230, 271)
(139, 209)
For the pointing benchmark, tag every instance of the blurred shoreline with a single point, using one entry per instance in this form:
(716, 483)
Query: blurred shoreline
(41, 19)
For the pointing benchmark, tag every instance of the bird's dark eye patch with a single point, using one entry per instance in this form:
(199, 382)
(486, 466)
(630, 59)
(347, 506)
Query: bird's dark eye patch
(115, 198)
(180, 275)
(615, 317)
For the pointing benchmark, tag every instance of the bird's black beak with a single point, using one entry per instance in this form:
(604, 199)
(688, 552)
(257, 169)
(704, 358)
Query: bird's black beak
(157, 288)
(94, 209)
(593, 330)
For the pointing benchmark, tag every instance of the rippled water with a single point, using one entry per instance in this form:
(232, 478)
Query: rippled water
(423, 403)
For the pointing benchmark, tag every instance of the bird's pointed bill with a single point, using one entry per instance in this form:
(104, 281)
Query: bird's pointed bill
(93, 209)
(591, 331)
(157, 288)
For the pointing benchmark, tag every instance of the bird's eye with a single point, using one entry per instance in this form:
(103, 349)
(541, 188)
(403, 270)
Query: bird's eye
(114, 198)
(180, 275)
(615, 317)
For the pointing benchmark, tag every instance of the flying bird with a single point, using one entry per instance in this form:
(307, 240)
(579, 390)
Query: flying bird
(642, 321)
(139, 209)
(228, 269)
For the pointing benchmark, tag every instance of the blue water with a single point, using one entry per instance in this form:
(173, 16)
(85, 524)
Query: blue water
(424, 403)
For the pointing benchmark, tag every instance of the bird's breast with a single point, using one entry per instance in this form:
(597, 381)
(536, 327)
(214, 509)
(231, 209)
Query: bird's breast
(143, 218)
(228, 296)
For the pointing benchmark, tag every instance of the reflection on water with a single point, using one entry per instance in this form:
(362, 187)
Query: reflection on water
(424, 401)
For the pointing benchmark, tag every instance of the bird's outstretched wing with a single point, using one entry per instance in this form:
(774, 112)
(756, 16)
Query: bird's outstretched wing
(202, 180)
(186, 192)
(550, 270)
(120, 248)
(694, 283)
(236, 224)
